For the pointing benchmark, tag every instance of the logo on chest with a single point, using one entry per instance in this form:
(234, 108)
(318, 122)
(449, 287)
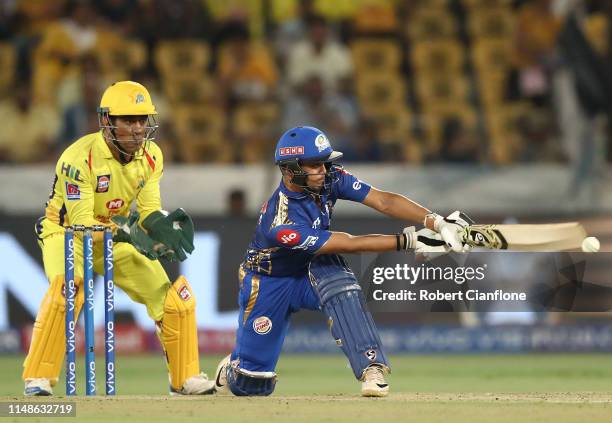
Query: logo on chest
(288, 237)
(115, 204)
(103, 183)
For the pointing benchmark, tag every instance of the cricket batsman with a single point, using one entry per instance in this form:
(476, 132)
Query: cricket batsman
(294, 262)
(97, 179)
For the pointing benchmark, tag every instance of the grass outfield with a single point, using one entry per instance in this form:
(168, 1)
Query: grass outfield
(500, 388)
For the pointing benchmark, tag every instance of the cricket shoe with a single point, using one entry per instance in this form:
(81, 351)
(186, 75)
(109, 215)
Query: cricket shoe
(37, 387)
(374, 384)
(195, 385)
(221, 376)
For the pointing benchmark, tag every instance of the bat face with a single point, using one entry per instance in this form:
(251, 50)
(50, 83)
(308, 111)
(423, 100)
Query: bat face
(545, 237)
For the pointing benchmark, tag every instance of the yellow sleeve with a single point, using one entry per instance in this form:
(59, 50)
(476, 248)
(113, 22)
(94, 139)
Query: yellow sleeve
(77, 192)
(148, 199)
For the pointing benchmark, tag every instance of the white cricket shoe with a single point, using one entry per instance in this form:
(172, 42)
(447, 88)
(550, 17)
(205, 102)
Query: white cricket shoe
(374, 384)
(37, 387)
(195, 385)
(221, 376)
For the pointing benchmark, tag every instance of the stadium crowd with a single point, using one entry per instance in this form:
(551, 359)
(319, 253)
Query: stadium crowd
(452, 81)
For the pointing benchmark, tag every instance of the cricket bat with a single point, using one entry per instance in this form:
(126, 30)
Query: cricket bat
(546, 237)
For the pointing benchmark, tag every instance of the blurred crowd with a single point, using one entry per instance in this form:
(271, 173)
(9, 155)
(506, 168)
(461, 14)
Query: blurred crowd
(416, 81)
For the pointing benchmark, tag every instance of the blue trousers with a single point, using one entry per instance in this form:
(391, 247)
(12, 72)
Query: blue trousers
(266, 304)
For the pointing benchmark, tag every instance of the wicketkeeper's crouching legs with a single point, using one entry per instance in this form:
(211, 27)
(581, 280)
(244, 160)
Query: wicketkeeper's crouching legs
(178, 334)
(351, 324)
(48, 346)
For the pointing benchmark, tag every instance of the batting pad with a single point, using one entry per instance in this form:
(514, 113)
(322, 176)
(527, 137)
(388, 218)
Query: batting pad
(48, 345)
(178, 333)
(350, 323)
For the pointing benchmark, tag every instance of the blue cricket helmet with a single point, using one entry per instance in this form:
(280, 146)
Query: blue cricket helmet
(304, 143)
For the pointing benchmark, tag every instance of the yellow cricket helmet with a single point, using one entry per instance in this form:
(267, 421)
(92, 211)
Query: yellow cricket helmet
(126, 98)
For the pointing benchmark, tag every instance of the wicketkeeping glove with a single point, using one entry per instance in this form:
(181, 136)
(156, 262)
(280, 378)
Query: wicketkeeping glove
(129, 231)
(175, 230)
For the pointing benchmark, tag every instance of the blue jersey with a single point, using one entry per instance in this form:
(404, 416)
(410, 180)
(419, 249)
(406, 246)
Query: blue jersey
(292, 226)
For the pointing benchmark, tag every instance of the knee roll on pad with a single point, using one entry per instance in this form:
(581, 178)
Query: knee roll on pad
(245, 383)
(343, 302)
(178, 333)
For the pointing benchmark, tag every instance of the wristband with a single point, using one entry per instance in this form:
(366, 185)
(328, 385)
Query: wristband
(397, 241)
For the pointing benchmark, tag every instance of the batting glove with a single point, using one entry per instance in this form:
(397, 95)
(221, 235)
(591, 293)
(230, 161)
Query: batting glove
(451, 229)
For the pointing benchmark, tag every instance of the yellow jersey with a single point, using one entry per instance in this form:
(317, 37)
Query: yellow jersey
(90, 186)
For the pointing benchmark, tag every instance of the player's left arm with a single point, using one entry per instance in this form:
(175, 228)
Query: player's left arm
(148, 199)
(400, 207)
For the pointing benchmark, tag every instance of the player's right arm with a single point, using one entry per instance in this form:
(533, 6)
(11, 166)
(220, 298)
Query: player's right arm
(73, 179)
(318, 241)
(342, 242)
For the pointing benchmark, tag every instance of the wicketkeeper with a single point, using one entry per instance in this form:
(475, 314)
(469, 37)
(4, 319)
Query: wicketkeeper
(97, 179)
(294, 262)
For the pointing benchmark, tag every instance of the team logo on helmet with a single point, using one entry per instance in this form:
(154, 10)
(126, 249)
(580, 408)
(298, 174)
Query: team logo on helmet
(140, 98)
(322, 142)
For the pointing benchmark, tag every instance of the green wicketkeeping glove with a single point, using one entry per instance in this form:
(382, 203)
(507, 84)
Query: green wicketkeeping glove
(174, 230)
(129, 231)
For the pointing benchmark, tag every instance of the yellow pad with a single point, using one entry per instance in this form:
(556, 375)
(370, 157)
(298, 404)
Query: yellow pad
(48, 344)
(179, 333)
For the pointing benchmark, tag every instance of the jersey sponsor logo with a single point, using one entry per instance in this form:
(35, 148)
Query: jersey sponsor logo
(308, 242)
(103, 183)
(262, 325)
(288, 237)
(71, 172)
(357, 185)
(290, 151)
(184, 293)
(322, 142)
(370, 355)
(115, 204)
(72, 192)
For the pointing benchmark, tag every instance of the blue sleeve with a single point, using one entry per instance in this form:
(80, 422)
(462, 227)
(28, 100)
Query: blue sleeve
(298, 237)
(351, 188)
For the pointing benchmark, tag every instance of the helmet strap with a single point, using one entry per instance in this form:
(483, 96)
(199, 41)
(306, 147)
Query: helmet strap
(298, 177)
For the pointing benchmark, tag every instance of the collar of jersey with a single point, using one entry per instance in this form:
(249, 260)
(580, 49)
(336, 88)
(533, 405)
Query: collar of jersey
(104, 149)
(291, 194)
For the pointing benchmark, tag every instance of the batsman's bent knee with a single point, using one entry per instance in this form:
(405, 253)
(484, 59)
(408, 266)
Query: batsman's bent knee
(178, 333)
(246, 383)
(48, 345)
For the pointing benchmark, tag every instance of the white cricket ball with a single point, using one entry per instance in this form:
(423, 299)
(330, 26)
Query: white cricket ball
(590, 245)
